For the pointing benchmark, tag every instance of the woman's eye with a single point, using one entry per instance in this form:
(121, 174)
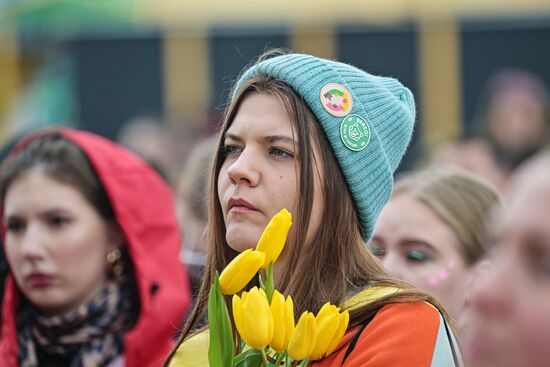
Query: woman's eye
(377, 251)
(417, 256)
(538, 260)
(542, 268)
(230, 150)
(59, 221)
(281, 153)
(14, 226)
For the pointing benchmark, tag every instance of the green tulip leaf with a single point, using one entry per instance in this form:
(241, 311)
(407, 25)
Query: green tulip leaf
(249, 358)
(221, 352)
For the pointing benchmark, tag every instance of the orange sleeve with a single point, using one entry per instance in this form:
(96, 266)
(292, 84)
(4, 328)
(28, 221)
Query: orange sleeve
(401, 334)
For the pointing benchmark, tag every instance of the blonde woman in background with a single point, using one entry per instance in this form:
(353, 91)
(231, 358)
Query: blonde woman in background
(433, 232)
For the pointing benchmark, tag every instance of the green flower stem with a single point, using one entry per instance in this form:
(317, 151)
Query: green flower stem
(269, 283)
(261, 277)
(279, 360)
(304, 363)
(265, 363)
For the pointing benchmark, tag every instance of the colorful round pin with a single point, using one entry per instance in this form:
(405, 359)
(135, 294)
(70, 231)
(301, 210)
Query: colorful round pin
(336, 99)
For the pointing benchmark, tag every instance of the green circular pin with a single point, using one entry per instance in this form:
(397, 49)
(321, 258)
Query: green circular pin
(355, 132)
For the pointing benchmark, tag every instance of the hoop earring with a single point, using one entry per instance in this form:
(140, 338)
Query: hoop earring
(114, 260)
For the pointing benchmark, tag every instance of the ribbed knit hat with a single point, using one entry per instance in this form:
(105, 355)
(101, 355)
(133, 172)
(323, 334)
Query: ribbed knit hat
(367, 119)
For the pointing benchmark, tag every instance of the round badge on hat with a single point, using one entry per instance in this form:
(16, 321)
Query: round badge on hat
(355, 132)
(336, 99)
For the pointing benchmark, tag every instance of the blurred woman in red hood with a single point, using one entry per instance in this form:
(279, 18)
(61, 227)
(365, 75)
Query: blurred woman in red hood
(92, 243)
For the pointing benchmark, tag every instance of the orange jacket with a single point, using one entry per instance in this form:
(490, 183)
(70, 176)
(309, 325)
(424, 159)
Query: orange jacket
(401, 334)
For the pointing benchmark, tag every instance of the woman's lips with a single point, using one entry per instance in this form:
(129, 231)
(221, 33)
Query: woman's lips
(240, 209)
(237, 205)
(39, 280)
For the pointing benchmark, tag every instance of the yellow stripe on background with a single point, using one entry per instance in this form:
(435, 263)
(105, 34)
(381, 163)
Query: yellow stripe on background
(317, 41)
(186, 78)
(9, 78)
(203, 14)
(440, 83)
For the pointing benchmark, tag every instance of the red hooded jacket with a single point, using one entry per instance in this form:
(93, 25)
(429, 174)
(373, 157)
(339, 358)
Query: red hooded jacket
(143, 206)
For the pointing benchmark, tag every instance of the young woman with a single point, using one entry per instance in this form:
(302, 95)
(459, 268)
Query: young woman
(433, 232)
(92, 243)
(322, 139)
(510, 322)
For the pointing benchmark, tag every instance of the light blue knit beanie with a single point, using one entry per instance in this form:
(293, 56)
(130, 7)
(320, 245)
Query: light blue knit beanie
(367, 119)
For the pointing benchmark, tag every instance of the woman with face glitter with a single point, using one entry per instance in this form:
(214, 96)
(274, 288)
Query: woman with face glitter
(433, 232)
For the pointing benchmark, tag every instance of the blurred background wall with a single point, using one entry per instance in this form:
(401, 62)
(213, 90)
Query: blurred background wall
(98, 64)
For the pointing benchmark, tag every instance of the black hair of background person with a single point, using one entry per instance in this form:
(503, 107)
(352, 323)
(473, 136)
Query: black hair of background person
(4, 153)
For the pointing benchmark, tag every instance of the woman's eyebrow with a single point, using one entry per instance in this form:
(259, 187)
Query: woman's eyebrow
(54, 210)
(268, 138)
(377, 240)
(233, 137)
(413, 242)
(280, 138)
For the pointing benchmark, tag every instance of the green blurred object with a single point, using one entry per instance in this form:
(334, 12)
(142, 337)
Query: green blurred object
(71, 16)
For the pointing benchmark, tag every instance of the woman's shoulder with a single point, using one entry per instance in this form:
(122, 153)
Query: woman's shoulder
(401, 334)
(399, 321)
(414, 314)
(193, 352)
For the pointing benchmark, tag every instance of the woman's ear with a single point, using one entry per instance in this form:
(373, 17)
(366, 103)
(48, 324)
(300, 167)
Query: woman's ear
(113, 257)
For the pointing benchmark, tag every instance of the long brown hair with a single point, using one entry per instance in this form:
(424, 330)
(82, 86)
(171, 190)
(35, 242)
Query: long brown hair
(339, 263)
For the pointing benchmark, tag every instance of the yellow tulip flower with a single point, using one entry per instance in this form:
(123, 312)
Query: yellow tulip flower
(240, 271)
(343, 322)
(302, 340)
(331, 327)
(283, 316)
(273, 238)
(253, 318)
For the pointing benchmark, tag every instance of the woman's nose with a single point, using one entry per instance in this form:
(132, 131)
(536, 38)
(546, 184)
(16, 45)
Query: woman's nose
(245, 168)
(32, 243)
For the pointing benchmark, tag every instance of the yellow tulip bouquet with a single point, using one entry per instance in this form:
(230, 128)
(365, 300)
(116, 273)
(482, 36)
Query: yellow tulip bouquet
(263, 317)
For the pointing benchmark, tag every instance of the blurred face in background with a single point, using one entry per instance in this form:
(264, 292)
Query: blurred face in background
(516, 120)
(56, 242)
(510, 320)
(475, 156)
(417, 246)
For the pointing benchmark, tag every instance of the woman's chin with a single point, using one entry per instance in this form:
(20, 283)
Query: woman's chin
(240, 240)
